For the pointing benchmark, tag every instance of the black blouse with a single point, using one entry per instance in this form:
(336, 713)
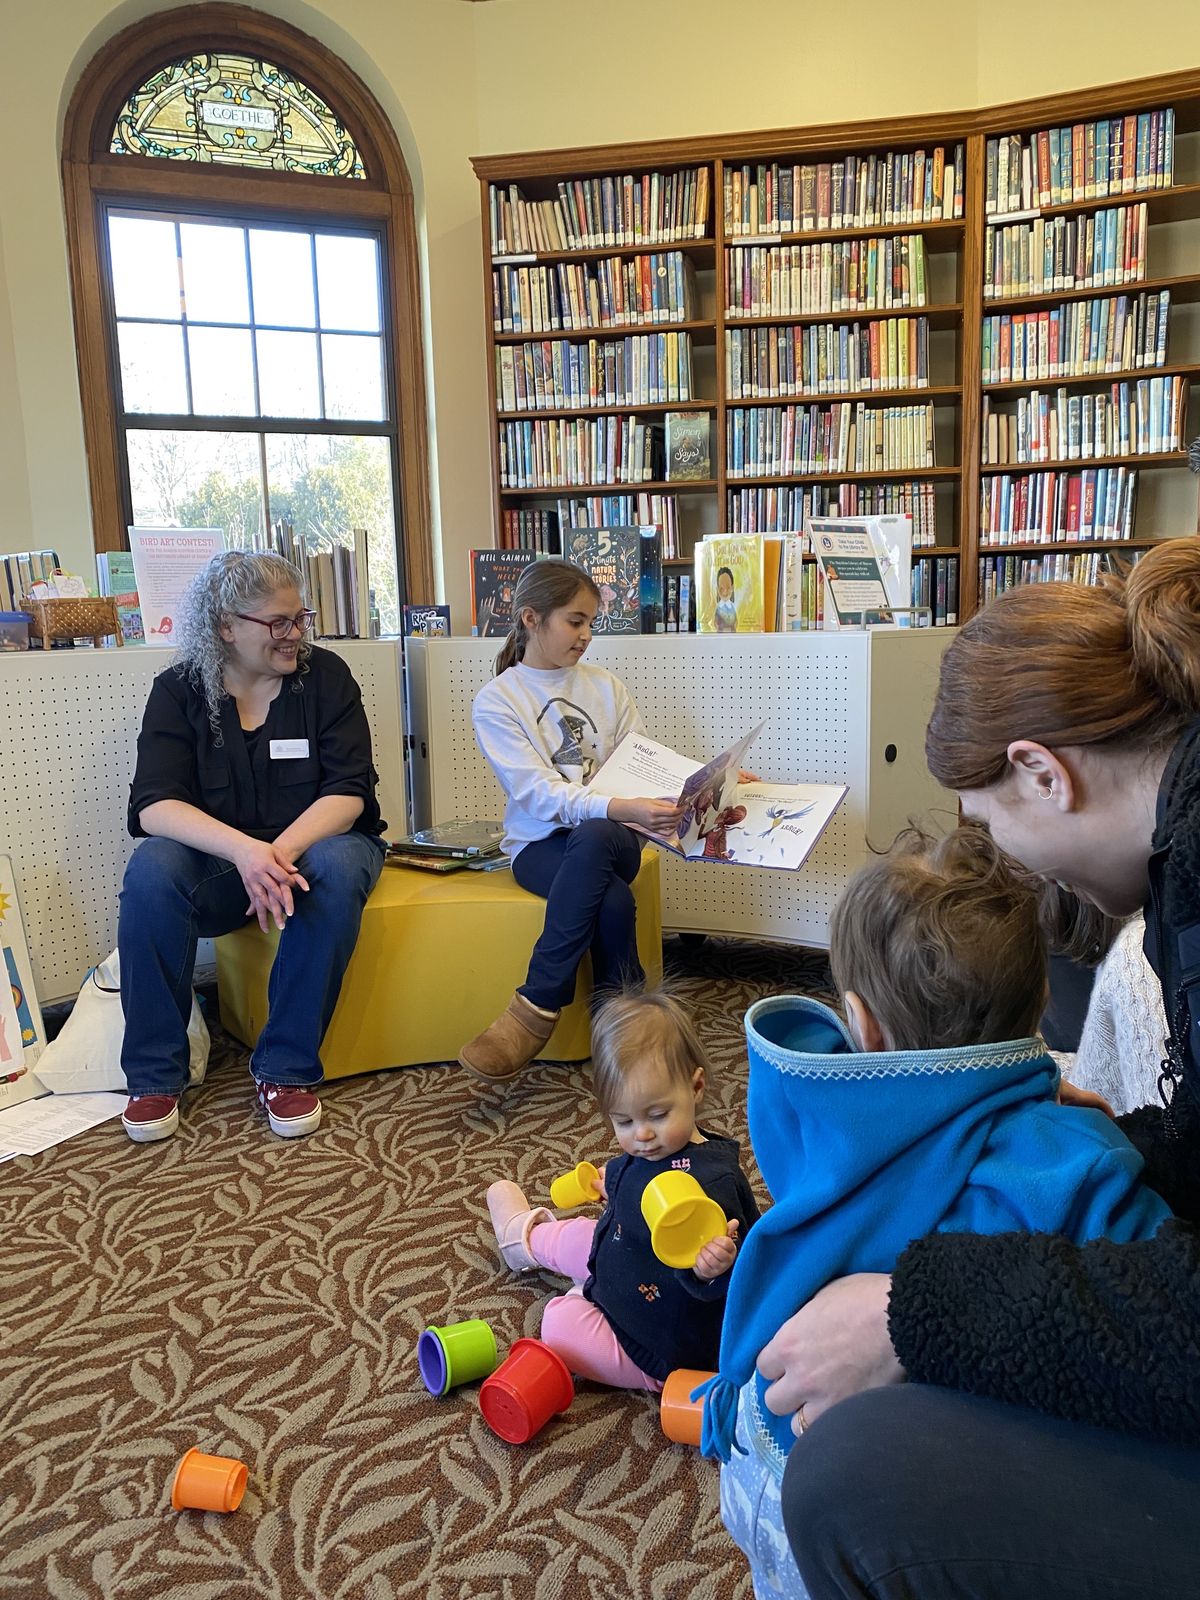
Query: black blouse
(315, 742)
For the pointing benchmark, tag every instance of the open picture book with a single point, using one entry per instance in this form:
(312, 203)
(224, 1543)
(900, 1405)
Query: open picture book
(724, 819)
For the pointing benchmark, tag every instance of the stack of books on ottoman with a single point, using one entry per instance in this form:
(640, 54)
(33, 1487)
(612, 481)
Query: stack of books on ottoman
(449, 847)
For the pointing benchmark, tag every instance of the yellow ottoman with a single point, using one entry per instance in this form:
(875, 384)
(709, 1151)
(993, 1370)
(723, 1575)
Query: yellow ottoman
(437, 959)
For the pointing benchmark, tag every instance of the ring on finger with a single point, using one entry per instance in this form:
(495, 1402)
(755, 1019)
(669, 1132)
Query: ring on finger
(802, 1420)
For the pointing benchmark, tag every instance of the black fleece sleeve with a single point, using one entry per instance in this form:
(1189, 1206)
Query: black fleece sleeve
(1100, 1333)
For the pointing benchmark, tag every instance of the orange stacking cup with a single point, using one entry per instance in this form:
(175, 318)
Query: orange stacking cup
(679, 1414)
(208, 1483)
(525, 1391)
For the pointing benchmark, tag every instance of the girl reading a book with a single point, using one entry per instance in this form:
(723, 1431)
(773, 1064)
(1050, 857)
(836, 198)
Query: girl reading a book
(628, 1320)
(254, 795)
(546, 723)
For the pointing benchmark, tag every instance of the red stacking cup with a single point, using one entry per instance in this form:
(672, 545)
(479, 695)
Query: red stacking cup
(525, 1391)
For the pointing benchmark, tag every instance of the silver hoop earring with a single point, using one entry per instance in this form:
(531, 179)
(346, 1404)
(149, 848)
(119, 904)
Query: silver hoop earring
(1048, 793)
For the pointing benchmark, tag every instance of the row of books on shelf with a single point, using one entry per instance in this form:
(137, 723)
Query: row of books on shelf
(827, 358)
(639, 369)
(335, 579)
(740, 583)
(854, 191)
(837, 275)
(1049, 507)
(788, 508)
(1081, 161)
(998, 573)
(567, 452)
(1098, 251)
(20, 570)
(540, 529)
(935, 584)
(599, 213)
(1139, 418)
(614, 293)
(1083, 338)
(846, 437)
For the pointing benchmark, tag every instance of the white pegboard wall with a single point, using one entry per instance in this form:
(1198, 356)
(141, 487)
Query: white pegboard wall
(825, 722)
(70, 720)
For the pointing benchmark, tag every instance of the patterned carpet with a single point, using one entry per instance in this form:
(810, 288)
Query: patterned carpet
(262, 1299)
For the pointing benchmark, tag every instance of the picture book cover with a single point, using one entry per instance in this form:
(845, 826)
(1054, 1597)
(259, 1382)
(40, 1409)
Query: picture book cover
(117, 578)
(22, 1036)
(729, 584)
(625, 565)
(494, 575)
(688, 457)
(727, 815)
(427, 622)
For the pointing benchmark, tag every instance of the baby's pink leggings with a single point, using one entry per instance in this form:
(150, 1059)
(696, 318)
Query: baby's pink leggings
(574, 1327)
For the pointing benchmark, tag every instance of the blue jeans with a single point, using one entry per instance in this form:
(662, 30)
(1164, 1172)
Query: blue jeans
(174, 896)
(583, 874)
(918, 1491)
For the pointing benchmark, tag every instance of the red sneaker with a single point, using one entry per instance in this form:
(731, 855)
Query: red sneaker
(148, 1117)
(292, 1111)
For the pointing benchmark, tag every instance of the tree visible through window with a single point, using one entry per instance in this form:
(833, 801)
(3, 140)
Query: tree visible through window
(219, 322)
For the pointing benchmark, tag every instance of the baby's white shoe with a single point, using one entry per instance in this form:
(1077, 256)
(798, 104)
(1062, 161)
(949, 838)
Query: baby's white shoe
(513, 1220)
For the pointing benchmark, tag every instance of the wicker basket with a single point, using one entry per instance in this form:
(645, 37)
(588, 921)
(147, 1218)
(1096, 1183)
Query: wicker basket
(83, 618)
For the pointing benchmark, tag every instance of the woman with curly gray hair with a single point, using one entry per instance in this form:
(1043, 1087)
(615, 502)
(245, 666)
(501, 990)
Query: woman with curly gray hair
(255, 794)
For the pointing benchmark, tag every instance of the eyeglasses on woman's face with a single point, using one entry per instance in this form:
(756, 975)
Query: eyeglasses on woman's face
(281, 627)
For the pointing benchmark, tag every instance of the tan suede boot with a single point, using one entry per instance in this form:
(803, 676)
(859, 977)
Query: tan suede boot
(513, 1220)
(510, 1043)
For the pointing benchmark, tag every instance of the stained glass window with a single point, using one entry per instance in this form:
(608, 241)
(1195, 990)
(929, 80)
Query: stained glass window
(240, 110)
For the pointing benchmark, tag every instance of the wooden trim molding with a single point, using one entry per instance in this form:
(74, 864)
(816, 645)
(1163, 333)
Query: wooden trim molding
(384, 199)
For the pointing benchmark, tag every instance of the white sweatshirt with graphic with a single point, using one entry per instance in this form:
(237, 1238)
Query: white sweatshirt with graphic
(545, 734)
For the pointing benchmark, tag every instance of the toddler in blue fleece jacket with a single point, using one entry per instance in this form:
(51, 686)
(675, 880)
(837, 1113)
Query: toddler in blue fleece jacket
(935, 1110)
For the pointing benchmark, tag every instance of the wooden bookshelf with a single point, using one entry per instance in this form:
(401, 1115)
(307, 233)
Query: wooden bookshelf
(954, 247)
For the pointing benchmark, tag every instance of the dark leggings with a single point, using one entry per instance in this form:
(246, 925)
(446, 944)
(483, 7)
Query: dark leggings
(583, 874)
(916, 1493)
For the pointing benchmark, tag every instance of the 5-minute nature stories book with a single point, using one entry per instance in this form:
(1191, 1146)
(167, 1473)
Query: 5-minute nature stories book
(743, 824)
(625, 565)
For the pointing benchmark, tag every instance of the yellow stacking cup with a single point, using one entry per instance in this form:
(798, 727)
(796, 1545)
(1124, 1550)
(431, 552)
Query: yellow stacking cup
(681, 1218)
(575, 1188)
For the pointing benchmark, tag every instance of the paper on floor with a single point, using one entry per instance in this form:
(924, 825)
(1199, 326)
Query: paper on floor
(40, 1124)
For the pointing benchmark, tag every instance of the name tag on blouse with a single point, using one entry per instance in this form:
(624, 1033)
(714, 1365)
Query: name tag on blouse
(289, 749)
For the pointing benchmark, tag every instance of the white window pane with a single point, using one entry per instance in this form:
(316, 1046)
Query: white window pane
(326, 487)
(222, 372)
(152, 371)
(145, 269)
(353, 377)
(214, 273)
(196, 480)
(348, 281)
(287, 375)
(281, 272)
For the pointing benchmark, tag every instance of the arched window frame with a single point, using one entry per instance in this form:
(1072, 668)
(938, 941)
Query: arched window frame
(94, 177)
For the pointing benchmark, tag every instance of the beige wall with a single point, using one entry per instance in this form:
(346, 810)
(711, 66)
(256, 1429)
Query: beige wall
(460, 79)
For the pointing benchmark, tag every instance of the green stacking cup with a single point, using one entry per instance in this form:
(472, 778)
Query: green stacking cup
(456, 1354)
